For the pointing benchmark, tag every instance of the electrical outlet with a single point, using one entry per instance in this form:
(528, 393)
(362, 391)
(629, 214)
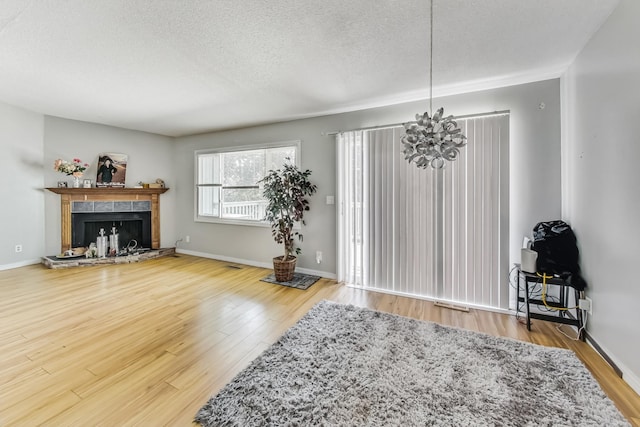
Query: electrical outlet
(586, 304)
(187, 239)
(318, 257)
(18, 248)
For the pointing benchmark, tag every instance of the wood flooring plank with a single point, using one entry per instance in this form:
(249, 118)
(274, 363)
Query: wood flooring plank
(149, 343)
(39, 396)
(40, 415)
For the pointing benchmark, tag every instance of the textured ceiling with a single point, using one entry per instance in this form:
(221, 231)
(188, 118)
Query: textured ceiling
(183, 67)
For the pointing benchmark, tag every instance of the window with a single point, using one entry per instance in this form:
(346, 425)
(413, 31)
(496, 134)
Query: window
(227, 187)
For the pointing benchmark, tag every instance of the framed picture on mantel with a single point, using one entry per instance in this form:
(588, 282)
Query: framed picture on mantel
(112, 170)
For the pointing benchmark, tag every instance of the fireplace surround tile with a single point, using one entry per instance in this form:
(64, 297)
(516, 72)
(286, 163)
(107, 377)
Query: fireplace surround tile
(111, 206)
(82, 207)
(122, 206)
(143, 205)
(102, 206)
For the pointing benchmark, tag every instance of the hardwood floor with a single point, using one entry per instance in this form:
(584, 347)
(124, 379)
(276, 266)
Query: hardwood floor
(149, 343)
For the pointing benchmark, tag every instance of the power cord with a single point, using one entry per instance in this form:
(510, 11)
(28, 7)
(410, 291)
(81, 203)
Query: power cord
(535, 292)
(585, 313)
(512, 282)
(544, 295)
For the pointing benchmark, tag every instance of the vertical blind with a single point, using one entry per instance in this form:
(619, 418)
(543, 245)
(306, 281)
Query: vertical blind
(440, 234)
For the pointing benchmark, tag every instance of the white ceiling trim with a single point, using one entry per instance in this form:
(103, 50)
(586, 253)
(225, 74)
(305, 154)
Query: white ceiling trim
(449, 90)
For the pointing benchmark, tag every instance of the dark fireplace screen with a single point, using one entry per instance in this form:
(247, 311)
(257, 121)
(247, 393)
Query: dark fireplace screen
(85, 228)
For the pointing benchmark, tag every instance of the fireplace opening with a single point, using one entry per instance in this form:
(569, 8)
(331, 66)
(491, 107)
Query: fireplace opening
(130, 226)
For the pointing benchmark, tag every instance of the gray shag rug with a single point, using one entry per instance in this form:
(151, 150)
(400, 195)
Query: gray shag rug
(299, 280)
(349, 366)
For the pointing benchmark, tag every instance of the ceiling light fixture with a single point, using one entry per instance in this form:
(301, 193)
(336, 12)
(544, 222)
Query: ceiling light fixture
(432, 139)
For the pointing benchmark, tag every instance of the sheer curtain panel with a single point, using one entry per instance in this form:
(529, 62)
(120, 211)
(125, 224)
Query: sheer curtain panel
(433, 233)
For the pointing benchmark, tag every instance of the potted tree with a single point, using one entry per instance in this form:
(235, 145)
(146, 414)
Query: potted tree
(286, 190)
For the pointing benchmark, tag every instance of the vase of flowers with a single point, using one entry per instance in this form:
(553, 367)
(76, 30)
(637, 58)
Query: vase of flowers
(74, 168)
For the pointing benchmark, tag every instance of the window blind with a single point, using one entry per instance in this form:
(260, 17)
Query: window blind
(440, 234)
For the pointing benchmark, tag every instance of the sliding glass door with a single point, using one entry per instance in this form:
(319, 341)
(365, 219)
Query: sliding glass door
(440, 234)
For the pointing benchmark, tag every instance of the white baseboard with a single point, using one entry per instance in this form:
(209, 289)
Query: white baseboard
(628, 376)
(631, 379)
(224, 258)
(252, 263)
(20, 264)
(317, 273)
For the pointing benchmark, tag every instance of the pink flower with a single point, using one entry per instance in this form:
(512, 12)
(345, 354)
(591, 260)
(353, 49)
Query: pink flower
(76, 168)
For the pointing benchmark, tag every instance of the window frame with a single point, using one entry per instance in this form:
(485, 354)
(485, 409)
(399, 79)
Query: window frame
(296, 144)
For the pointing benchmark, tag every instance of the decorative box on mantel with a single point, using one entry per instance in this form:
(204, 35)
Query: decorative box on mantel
(70, 195)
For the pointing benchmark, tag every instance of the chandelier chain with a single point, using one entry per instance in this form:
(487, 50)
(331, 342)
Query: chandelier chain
(433, 139)
(431, 58)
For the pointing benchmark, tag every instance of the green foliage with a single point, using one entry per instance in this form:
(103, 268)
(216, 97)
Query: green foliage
(286, 190)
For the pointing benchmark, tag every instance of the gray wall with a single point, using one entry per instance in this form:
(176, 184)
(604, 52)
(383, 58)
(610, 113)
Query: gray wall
(534, 172)
(601, 196)
(150, 157)
(21, 178)
(31, 143)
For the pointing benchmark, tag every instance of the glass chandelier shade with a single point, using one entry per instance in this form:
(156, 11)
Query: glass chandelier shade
(432, 140)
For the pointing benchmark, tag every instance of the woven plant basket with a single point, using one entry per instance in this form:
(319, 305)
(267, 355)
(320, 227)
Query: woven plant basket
(284, 269)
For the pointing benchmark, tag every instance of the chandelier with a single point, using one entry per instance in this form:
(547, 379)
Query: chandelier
(432, 139)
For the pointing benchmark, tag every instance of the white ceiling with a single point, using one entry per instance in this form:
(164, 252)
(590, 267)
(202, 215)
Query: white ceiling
(180, 67)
